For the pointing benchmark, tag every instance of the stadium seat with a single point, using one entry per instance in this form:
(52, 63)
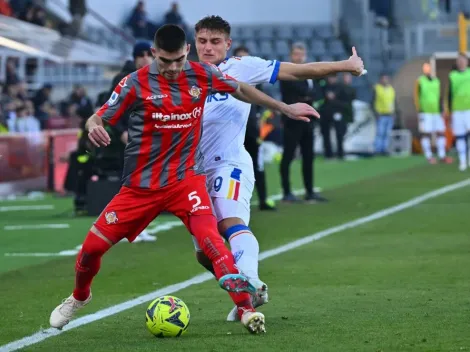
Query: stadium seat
(236, 32)
(335, 47)
(266, 33)
(304, 33)
(247, 33)
(266, 49)
(324, 32)
(317, 48)
(252, 47)
(286, 33)
(282, 47)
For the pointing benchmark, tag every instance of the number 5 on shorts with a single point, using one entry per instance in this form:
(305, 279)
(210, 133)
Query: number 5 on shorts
(193, 196)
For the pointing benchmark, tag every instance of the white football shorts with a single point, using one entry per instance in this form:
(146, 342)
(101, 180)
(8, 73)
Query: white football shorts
(230, 186)
(460, 123)
(431, 123)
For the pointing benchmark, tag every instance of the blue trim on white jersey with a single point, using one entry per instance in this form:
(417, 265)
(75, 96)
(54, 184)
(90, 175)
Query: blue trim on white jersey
(222, 61)
(273, 79)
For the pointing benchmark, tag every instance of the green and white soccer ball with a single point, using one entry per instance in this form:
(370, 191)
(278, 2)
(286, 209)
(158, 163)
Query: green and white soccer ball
(167, 316)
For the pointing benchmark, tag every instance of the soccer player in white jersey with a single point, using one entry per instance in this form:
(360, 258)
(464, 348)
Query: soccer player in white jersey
(229, 168)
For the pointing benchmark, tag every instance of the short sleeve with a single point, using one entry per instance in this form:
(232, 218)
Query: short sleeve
(121, 100)
(219, 82)
(255, 70)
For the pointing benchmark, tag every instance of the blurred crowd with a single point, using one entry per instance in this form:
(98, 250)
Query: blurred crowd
(31, 11)
(143, 27)
(31, 111)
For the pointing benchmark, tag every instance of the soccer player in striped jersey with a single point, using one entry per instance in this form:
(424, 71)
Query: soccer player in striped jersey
(163, 164)
(228, 165)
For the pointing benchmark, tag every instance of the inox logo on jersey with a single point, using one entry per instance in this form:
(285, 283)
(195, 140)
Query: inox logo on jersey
(196, 113)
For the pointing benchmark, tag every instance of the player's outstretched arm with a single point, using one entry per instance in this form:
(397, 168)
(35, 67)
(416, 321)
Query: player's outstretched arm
(96, 132)
(291, 72)
(251, 95)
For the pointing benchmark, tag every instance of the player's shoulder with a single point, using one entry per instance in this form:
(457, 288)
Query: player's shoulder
(131, 78)
(204, 65)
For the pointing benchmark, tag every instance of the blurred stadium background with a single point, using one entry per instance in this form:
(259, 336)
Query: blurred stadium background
(57, 57)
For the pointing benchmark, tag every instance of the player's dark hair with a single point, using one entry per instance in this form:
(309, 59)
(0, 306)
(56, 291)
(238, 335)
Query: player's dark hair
(170, 38)
(239, 49)
(213, 23)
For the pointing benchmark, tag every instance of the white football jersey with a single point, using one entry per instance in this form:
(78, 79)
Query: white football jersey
(225, 118)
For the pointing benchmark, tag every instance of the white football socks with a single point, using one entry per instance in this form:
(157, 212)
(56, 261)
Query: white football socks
(441, 147)
(461, 147)
(245, 249)
(426, 145)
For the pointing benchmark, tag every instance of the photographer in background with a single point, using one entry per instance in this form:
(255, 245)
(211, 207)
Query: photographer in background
(298, 132)
(252, 145)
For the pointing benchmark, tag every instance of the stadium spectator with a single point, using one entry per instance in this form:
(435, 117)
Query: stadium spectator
(346, 96)
(173, 16)
(5, 8)
(18, 6)
(78, 11)
(42, 103)
(138, 21)
(39, 17)
(298, 132)
(384, 103)
(83, 104)
(11, 74)
(25, 123)
(333, 112)
(142, 56)
(28, 12)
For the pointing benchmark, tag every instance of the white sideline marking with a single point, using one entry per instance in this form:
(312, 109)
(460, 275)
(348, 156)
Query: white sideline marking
(35, 227)
(26, 207)
(118, 308)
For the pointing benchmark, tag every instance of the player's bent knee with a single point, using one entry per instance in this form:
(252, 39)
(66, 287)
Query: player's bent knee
(236, 230)
(95, 242)
(227, 223)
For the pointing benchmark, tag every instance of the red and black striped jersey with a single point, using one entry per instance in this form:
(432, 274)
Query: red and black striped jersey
(164, 122)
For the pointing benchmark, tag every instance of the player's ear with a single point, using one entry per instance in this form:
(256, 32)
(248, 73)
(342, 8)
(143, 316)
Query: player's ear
(188, 48)
(154, 52)
(228, 44)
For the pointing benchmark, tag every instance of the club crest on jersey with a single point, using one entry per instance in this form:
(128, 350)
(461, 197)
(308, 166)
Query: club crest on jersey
(111, 217)
(195, 92)
(123, 82)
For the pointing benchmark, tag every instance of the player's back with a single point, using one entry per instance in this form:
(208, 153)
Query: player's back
(165, 122)
(225, 118)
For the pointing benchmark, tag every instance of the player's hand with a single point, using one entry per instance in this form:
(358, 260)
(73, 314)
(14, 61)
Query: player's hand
(98, 136)
(355, 63)
(300, 111)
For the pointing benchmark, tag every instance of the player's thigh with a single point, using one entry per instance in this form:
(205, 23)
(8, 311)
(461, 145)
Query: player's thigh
(459, 127)
(439, 125)
(467, 120)
(190, 198)
(128, 214)
(425, 123)
(229, 208)
(232, 181)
